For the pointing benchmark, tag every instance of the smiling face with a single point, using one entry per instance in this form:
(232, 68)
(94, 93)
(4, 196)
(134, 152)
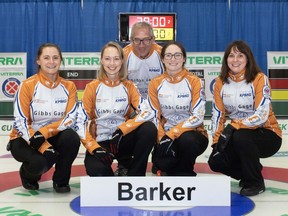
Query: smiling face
(173, 59)
(142, 41)
(236, 61)
(49, 62)
(111, 62)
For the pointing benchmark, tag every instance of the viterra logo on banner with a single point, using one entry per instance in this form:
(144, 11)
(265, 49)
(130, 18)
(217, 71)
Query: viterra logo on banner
(278, 76)
(12, 72)
(277, 59)
(204, 60)
(81, 61)
(6, 61)
(280, 60)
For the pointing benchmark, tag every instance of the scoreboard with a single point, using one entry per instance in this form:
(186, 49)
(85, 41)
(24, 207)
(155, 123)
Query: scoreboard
(163, 24)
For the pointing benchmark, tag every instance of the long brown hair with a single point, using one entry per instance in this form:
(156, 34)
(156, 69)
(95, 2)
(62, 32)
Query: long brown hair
(252, 69)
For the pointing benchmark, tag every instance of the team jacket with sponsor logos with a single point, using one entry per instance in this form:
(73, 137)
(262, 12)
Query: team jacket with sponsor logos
(141, 71)
(108, 103)
(43, 105)
(179, 103)
(248, 105)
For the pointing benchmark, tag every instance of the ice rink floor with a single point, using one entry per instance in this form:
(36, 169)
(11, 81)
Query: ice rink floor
(16, 201)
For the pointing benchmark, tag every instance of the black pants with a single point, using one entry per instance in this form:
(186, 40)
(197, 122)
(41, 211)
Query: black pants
(136, 145)
(241, 158)
(34, 164)
(187, 147)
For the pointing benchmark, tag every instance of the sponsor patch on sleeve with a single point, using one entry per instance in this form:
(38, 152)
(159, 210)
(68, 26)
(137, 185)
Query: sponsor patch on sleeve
(266, 92)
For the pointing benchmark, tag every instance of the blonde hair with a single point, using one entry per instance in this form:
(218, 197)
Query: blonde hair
(123, 69)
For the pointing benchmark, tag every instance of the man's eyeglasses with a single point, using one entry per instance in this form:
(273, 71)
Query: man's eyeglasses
(145, 41)
(169, 56)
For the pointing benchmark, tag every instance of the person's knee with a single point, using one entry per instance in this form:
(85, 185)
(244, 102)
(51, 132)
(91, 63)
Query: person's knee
(70, 143)
(191, 149)
(166, 164)
(240, 140)
(197, 143)
(72, 138)
(37, 166)
(147, 135)
(98, 170)
(217, 163)
(213, 166)
(149, 128)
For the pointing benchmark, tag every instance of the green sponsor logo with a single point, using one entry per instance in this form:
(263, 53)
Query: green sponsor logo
(216, 73)
(283, 127)
(81, 61)
(281, 154)
(280, 59)
(30, 193)
(11, 211)
(199, 60)
(278, 191)
(11, 74)
(11, 61)
(6, 127)
(208, 127)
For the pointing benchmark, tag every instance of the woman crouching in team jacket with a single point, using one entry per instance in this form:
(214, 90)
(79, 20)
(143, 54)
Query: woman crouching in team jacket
(242, 92)
(44, 112)
(178, 98)
(108, 102)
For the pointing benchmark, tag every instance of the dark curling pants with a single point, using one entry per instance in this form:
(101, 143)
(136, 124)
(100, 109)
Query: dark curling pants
(136, 145)
(34, 164)
(241, 158)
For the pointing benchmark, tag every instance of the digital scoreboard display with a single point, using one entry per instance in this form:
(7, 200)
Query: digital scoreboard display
(163, 24)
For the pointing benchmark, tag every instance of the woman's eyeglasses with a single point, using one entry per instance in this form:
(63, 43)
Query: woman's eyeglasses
(176, 55)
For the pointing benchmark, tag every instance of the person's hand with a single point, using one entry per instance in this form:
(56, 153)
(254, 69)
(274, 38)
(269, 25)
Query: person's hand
(224, 138)
(37, 140)
(115, 141)
(51, 156)
(164, 148)
(103, 155)
(215, 151)
(163, 164)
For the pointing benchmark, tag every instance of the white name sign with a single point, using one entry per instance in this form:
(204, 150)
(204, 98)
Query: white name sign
(155, 191)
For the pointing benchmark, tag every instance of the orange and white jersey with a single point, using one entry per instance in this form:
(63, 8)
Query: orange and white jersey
(178, 102)
(141, 71)
(248, 105)
(108, 103)
(45, 106)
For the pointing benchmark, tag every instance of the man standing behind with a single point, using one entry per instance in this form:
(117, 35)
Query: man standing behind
(143, 63)
(143, 56)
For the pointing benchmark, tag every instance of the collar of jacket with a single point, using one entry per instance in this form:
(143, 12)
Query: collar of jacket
(177, 77)
(47, 81)
(237, 77)
(111, 83)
